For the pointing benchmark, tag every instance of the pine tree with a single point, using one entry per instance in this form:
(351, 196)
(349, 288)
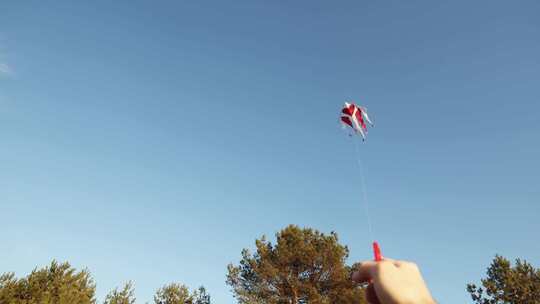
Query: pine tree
(57, 283)
(304, 266)
(508, 285)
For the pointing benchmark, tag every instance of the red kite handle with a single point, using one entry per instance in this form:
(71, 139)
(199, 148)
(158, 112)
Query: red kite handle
(377, 252)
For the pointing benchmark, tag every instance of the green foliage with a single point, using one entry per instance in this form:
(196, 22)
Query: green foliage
(304, 266)
(173, 294)
(55, 284)
(62, 284)
(176, 293)
(200, 296)
(508, 285)
(124, 296)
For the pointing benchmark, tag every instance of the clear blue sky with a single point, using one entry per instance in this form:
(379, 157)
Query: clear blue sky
(152, 142)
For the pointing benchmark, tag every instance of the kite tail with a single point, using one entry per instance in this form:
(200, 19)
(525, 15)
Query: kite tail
(367, 118)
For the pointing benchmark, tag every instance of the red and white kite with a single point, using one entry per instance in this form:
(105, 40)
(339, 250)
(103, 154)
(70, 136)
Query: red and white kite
(354, 116)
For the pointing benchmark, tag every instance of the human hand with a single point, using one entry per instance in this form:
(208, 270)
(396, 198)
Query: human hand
(393, 282)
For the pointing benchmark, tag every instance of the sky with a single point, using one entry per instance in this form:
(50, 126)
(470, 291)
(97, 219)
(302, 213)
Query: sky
(152, 141)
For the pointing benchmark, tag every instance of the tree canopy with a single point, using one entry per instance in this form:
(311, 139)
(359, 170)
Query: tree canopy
(57, 283)
(173, 294)
(176, 293)
(304, 266)
(126, 295)
(507, 284)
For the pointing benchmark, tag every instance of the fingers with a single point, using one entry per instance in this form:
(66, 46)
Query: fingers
(365, 272)
(392, 281)
(371, 295)
(396, 263)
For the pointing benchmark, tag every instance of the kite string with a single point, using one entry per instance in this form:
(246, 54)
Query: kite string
(364, 191)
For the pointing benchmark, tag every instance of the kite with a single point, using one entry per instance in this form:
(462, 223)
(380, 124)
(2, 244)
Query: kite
(355, 117)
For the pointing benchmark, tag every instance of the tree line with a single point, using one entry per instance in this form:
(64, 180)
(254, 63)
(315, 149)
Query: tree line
(59, 283)
(302, 266)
